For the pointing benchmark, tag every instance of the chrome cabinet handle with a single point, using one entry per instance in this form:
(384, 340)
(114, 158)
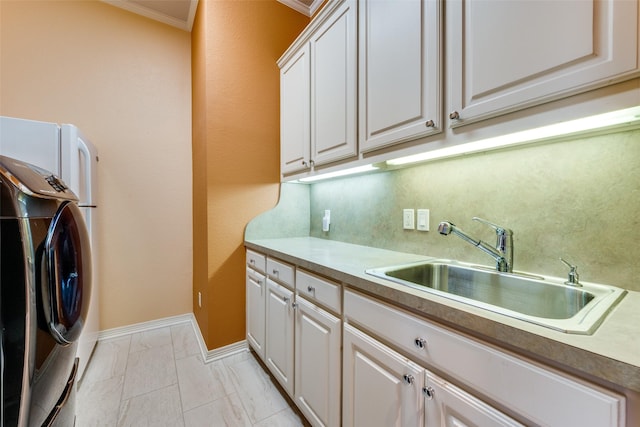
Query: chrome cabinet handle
(430, 124)
(252, 261)
(276, 272)
(305, 164)
(294, 305)
(286, 299)
(408, 379)
(428, 392)
(454, 115)
(420, 343)
(311, 289)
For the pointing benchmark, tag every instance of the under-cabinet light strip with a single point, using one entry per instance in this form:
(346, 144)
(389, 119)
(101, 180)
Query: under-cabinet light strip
(626, 116)
(350, 171)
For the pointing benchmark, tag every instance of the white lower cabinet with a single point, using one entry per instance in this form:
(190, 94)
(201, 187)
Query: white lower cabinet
(317, 364)
(256, 285)
(279, 334)
(256, 292)
(533, 392)
(383, 388)
(318, 342)
(380, 387)
(449, 406)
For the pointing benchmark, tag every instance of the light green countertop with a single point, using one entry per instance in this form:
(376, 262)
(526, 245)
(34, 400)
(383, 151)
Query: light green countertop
(611, 356)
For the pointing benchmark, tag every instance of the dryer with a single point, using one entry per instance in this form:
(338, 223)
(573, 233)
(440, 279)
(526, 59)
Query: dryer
(45, 289)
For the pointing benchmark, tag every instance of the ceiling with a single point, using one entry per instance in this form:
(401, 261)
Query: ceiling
(180, 13)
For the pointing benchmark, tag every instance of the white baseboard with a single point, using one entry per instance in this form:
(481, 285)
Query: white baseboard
(207, 355)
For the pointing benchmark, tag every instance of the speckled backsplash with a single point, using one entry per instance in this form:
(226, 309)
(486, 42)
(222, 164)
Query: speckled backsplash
(577, 199)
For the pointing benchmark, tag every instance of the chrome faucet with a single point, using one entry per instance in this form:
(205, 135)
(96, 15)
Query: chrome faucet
(502, 253)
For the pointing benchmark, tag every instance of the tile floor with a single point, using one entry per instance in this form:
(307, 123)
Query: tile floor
(157, 378)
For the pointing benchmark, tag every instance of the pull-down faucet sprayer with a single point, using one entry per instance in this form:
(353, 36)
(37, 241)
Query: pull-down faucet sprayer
(502, 253)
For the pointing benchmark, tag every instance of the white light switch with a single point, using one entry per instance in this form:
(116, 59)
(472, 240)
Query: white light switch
(408, 219)
(423, 219)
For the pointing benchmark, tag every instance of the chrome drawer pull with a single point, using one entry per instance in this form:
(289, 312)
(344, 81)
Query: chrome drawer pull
(428, 392)
(420, 343)
(311, 289)
(408, 379)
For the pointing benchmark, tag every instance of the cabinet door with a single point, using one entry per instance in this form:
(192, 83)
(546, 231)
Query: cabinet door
(399, 71)
(256, 286)
(448, 406)
(380, 387)
(507, 55)
(317, 364)
(333, 87)
(279, 334)
(294, 113)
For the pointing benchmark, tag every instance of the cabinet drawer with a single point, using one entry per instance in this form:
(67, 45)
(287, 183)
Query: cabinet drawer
(526, 388)
(256, 261)
(281, 272)
(318, 289)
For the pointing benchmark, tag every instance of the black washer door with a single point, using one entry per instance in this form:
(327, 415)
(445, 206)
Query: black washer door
(67, 287)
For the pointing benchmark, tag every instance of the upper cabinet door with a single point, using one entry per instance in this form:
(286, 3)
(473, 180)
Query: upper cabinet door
(508, 55)
(399, 71)
(294, 113)
(333, 87)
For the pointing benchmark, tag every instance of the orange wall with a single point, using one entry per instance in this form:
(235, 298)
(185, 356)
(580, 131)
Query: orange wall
(235, 46)
(125, 81)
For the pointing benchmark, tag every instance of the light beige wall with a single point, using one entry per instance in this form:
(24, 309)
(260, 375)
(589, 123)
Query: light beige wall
(125, 82)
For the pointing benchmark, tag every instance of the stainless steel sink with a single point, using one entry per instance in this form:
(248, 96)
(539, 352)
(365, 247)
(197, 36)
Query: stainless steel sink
(537, 299)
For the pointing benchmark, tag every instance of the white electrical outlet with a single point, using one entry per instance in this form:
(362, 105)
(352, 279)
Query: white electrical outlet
(408, 219)
(423, 220)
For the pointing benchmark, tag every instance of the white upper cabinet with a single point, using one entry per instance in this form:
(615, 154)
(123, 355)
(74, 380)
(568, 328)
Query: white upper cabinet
(504, 56)
(318, 92)
(333, 87)
(399, 57)
(294, 112)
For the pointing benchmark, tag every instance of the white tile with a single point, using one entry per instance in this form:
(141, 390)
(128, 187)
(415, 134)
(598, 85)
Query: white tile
(109, 360)
(150, 339)
(157, 378)
(259, 395)
(98, 403)
(227, 411)
(284, 418)
(149, 370)
(222, 376)
(184, 341)
(240, 357)
(198, 384)
(160, 408)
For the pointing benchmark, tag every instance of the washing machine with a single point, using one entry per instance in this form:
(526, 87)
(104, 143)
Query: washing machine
(45, 289)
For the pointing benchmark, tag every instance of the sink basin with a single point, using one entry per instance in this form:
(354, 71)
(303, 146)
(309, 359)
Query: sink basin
(541, 300)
